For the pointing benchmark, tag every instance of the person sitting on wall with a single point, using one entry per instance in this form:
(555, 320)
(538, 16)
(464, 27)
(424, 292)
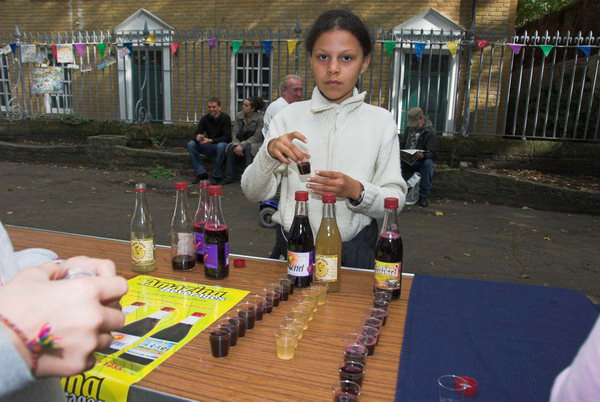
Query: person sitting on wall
(419, 135)
(210, 138)
(247, 137)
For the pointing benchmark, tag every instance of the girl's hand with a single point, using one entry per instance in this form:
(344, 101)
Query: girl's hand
(341, 185)
(282, 148)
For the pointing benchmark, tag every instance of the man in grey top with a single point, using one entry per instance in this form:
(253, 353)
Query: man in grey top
(291, 91)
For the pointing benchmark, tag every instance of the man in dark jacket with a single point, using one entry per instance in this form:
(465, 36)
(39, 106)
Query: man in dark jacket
(210, 138)
(419, 135)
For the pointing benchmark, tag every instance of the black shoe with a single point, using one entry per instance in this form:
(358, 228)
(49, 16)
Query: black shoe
(423, 202)
(199, 177)
(215, 181)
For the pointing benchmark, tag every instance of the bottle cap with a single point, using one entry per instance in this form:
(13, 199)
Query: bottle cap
(181, 185)
(471, 383)
(328, 198)
(167, 309)
(214, 190)
(239, 263)
(390, 203)
(301, 195)
(140, 188)
(203, 184)
(137, 304)
(198, 314)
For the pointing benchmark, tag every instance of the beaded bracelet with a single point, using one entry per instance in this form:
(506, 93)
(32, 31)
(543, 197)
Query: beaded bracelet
(43, 342)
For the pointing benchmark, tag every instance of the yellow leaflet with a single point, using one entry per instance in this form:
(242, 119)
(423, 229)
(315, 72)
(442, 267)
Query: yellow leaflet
(194, 307)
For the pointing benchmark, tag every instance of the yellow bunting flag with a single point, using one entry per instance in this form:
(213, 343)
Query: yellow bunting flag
(150, 39)
(291, 45)
(452, 47)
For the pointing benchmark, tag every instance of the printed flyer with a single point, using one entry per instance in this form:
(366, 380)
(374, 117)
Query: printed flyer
(162, 316)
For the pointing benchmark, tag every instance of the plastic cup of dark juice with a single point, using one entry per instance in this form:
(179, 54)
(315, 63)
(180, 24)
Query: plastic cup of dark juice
(304, 167)
(276, 287)
(355, 352)
(285, 281)
(240, 323)
(380, 314)
(345, 391)
(247, 310)
(259, 301)
(233, 326)
(219, 338)
(352, 371)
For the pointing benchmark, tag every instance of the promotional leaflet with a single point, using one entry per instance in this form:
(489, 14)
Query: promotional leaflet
(162, 316)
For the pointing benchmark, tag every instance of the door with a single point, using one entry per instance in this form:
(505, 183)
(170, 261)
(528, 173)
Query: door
(147, 78)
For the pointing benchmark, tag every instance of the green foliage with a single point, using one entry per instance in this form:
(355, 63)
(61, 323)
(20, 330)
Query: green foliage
(159, 171)
(74, 119)
(531, 10)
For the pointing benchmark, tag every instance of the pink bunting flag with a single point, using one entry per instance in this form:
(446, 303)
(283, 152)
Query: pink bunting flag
(515, 47)
(80, 48)
(174, 47)
(212, 43)
(482, 43)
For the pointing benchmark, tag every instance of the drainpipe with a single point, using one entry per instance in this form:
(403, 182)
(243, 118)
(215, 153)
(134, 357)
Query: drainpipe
(470, 43)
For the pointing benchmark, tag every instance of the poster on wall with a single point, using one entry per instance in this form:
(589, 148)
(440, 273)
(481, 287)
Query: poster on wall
(47, 80)
(64, 54)
(29, 54)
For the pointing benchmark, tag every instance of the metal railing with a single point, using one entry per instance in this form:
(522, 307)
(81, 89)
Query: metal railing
(484, 88)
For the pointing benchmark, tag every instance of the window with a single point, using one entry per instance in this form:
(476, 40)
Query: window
(5, 93)
(60, 103)
(252, 75)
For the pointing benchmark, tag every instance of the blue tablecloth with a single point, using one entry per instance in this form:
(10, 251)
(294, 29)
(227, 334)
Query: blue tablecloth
(513, 339)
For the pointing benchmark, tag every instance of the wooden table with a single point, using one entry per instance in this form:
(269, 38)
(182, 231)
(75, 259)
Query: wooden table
(252, 370)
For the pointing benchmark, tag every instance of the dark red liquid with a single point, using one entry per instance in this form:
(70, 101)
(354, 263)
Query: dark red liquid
(269, 306)
(276, 299)
(304, 167)
(380, 314)
(219, 342)
(381, 303)
(241, 325)
(389, 249)
(301, 240)
(285, 293)
(260, 311)
(290, 287)
(370, 342)
(233, 335)
(249, 316)
(352, 372)
(183, 262)
(345, 397)
(355, 353)
(217, 236)
(373, 322)
(199, 251)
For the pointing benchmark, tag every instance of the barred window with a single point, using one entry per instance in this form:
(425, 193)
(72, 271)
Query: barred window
(60, 103)
(5, 93)
(252, 75)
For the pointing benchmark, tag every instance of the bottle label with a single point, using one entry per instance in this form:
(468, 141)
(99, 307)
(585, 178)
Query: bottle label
(211, 255)
(121, 341)
(185, 244)
(300, 263)
(152, 348)
(142, 251)
(326, 267)
(387, 274)
(199, 242)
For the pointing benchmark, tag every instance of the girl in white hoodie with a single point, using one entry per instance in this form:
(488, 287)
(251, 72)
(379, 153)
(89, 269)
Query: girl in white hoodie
(352, 146)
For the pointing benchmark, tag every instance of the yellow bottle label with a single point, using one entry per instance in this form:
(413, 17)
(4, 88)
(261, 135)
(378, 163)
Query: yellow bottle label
(326, 267)
(387, 274)
(142, 251)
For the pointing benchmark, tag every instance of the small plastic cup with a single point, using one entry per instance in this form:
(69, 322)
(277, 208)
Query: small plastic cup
(381, 294)
(269, 295)
(321, 288)
(356, 352)
(240, 323)
(286, 340)
(371, 331)
(275, 287)
(380, 314)
(310, 305)
(302, 312)
(311, 296)
(352, 371)
(287, 283)
(233, 327)
(219, 338)
(259, 301)
(296, 325)
(303, 168)
(372, 322)
(345, 391)
(452, 388)
(247, 311)
(369, 341)
(382, 304)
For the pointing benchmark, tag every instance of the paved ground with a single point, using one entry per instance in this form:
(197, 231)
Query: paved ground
(451, 238)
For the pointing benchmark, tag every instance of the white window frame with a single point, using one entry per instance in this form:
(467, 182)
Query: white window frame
(5, 95)
(247, 68)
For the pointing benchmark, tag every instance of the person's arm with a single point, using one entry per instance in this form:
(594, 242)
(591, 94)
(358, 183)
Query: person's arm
(429, 143)
(257, 137)
(201, 129)
(225, 129)
(237, 126)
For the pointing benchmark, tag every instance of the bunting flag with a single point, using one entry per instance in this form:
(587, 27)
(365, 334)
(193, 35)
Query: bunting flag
(419, 48)
(212, 43)
(174, 47)
(515, 47)
(452, 47)
(291, 45)
(235, 46)
(546, 49)
(482, 43)
(585, 49)
(101, 48)
(80, 47)
(129, 46)
(151, 39)
(389, 47)
(55, 52)
(266, 44)
(13, 48)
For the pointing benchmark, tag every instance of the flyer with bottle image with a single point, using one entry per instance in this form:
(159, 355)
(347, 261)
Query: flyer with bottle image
(162, 315)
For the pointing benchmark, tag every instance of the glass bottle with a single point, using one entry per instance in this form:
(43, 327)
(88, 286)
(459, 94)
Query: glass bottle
(161, 342)
(141, 233)
(182, 238)
(132, 307)
(328, 249)
(216, 237)
(200, 220)
(389, 251)
(301, 246)
(134, 331)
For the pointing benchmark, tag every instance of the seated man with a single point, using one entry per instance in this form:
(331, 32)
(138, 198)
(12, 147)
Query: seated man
(247, 137)
(210, 138)
(419, 135)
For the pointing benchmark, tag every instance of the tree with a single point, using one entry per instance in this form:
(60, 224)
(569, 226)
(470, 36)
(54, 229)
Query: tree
(531, 10)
